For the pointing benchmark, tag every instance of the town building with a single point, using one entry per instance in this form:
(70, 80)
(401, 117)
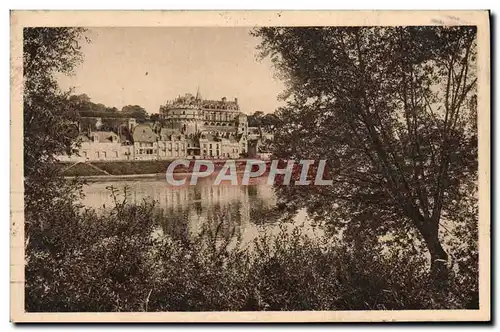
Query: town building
(99, 146)
(145, 142)
(189, 127)
(171, 144)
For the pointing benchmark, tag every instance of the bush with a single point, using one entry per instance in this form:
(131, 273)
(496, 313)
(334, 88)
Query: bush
(122, 261)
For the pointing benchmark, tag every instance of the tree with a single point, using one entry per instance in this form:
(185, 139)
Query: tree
(155, 117)
(269, 121)
(135, 111)
(49, 122)
(391, 109)
(81, 101)
(255, 120)
(84, 107)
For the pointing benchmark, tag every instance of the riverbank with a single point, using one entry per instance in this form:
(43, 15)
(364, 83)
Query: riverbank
(104, 170)
(148, 168)
(154, 176)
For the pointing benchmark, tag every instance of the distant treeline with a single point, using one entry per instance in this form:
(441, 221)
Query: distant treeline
(86, 108)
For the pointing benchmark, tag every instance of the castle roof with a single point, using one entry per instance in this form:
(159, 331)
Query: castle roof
(196, 101)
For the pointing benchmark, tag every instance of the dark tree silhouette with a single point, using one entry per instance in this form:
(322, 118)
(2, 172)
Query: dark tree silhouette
(49, 123)
(393, 109)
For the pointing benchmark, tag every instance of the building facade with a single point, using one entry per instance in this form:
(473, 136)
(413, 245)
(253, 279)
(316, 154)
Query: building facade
(189, 127)
(193, 116)
(145, 142)
(99, 146)
(172, 144)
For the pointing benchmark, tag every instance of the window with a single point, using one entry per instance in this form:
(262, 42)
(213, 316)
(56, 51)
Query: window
(116, 154)
(210, 145)
(104, 155)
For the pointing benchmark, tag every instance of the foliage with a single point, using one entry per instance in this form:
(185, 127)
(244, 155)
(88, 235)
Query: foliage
(83, 105)
(135, 111)
(267, 122)
(121, 260)
(155, 117)
(91, 262)
(393, 111)
(49, 124)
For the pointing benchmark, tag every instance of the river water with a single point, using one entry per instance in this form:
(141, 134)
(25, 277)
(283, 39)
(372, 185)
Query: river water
(227, 210)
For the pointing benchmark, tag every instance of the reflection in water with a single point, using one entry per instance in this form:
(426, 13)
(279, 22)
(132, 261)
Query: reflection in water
(227, 210)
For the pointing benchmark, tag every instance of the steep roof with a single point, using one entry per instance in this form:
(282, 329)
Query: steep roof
(144, 133)
(102, 137)
(196, 101)
(167, 133)
(209, 137)
(105, 136)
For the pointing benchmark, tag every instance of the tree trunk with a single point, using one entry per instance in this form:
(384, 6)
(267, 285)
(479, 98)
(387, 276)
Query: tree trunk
(439, 258)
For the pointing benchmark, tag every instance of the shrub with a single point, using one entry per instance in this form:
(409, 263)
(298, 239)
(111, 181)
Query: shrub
(122, 260)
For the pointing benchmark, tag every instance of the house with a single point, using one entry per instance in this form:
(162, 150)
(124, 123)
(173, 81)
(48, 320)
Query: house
(171, 144)
(230, 147)
(96, 146)
(210, 146)
(145, 142)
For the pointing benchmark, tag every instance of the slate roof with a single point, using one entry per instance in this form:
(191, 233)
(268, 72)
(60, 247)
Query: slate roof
(105, 136)
(144, 133)
(102, 137)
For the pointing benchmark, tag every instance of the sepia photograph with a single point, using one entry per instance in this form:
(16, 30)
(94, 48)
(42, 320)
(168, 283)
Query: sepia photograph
(250, 166)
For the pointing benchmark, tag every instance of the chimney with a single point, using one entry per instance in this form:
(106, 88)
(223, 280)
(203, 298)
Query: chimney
(236, 100)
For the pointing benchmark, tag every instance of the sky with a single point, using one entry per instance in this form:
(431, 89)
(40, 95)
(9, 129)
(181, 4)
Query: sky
(148, 66)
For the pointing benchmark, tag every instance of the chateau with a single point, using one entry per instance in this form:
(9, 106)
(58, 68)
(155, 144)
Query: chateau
(189, 127)
(192, 115)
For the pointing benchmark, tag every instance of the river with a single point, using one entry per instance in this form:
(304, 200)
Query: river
(237, 211)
